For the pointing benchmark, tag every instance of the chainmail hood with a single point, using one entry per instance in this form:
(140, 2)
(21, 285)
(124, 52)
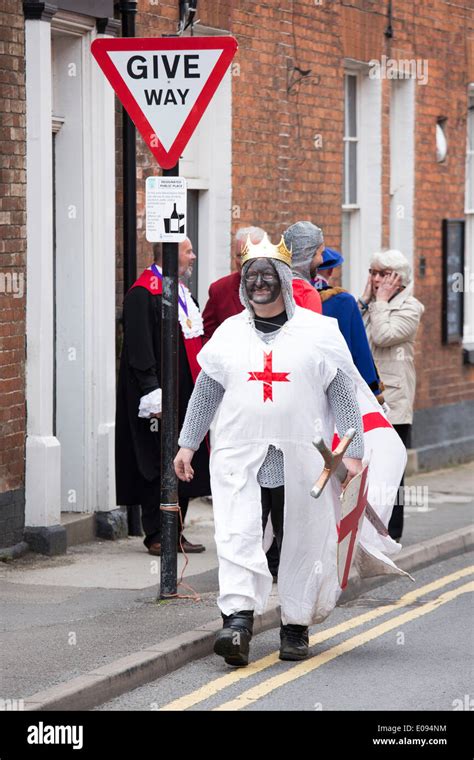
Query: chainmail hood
(304, 238)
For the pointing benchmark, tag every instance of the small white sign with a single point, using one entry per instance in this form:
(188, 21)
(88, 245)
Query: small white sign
(166, 209)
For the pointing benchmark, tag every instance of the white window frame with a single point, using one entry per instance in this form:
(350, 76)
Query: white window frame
(347, 139)
(363, 220)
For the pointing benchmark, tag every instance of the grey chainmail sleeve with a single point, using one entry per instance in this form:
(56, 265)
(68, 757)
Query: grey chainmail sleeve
(343, 402)
(202, 406)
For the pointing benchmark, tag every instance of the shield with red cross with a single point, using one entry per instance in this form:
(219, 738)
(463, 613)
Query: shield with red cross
(353, 504)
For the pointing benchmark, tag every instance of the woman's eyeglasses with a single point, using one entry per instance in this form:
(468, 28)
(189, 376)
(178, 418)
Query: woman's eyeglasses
(381, 272)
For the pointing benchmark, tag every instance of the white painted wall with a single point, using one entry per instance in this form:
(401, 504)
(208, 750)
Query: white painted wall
(468, 336)
(43, 465)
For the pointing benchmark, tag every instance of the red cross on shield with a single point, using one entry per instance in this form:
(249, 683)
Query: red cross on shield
(353, 504)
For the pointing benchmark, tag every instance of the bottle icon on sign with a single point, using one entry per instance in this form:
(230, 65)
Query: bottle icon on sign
(174, 220)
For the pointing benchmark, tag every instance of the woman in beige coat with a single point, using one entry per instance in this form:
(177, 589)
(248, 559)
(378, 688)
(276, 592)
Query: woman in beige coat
(391, 316)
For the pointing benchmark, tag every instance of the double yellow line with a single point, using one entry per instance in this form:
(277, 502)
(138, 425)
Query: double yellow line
(303, 668)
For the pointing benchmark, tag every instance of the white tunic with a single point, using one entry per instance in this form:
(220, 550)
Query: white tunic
(275, 393)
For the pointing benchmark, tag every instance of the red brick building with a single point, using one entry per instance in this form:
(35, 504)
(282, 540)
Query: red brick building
(12, 273)
(358, 116)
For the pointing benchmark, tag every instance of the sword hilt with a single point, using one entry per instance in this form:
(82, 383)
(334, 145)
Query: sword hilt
(333, 463)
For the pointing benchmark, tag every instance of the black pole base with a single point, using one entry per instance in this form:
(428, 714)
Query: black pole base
(169, 551)
(134, 520)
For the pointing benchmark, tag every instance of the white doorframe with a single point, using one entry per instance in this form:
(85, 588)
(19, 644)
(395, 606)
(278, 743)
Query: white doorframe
(87, 424)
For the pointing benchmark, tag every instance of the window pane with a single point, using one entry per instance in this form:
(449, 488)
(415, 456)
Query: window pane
(351, 106)
(470, 125)
(352, 170)
(346, 248)
(470, 182)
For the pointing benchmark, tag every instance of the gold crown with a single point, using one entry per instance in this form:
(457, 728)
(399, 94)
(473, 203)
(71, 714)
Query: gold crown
(265, 249)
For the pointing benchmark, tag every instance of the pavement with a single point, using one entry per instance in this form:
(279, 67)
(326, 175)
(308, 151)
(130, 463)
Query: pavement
(80, 629)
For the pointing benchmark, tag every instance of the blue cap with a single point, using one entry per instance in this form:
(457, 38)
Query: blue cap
(331, 259)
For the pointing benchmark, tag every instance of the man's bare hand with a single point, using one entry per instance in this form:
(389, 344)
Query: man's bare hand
(182, 464)
(354, 466)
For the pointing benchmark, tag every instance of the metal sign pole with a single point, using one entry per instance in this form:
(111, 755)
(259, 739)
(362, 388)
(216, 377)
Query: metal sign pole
(169, 415)
(128, 9)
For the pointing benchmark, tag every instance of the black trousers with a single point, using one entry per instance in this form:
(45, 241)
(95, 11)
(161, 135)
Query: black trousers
(273, 502)
(395, 526)
(150, 504)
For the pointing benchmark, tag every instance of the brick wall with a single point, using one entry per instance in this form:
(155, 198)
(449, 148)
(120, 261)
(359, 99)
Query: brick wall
(439, 31)
(279, 173)
(12, 267)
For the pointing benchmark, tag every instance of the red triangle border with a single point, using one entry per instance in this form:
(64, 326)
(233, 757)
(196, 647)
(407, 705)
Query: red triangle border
(100, 49)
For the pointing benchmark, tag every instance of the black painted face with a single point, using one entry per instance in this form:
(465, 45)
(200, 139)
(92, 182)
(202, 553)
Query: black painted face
(262, 282)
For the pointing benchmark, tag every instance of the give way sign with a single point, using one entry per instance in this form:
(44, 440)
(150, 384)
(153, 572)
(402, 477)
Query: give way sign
(165, 84)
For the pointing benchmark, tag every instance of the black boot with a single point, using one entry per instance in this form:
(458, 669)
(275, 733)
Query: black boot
(294, 642)
(232, 642)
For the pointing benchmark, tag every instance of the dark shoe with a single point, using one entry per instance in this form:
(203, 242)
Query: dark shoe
(190, 548)
(294, 642)
(232, 642)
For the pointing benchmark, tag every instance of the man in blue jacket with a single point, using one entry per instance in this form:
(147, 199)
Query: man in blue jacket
(341, 305)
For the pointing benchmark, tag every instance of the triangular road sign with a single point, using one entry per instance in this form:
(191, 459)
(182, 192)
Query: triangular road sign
(165, 84)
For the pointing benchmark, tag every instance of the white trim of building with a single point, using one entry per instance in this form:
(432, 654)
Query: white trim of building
(79, 459)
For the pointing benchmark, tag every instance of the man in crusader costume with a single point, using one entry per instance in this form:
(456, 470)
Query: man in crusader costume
(138, 429)
(279, 375)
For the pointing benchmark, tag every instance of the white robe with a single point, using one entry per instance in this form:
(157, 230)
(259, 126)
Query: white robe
(305, 355)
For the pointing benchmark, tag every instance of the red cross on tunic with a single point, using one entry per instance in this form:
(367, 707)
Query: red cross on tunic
(350, 524)
(268, 377)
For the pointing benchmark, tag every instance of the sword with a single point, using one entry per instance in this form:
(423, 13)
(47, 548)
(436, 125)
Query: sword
(333, 465)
